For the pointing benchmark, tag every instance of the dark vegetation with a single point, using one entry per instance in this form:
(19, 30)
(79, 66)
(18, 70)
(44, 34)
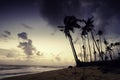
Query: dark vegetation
(101, 52)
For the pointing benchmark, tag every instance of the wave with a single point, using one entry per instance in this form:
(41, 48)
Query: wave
(16, 70)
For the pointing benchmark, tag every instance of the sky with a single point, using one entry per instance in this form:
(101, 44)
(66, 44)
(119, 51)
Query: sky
(29, 34)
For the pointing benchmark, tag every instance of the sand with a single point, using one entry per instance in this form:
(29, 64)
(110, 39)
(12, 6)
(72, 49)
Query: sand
(83, 73)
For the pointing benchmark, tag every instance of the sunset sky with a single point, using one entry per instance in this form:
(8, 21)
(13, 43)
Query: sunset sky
(35, 22)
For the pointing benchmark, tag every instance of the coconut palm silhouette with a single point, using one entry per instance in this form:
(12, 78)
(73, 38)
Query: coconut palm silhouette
(109, 51)
(100, 34)
(85, 34)
(70, 22)
(94, 52)
(90, 28)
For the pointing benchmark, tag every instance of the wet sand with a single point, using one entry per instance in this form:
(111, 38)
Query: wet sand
(83, 73)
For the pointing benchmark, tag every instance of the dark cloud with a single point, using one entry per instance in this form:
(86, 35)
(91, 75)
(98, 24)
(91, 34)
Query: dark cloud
(39, 53)
(54, 10)
(26, 26)
(5, 35)
(57, 57)
(103, 11)
(27, 45)
(7, 32)
(23, 35)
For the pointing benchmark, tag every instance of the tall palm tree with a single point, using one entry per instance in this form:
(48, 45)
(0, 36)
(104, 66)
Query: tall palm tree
(94, 52)
(100, 33)
(84, 53)
(90, 28)
(89, 47)
(85, 34)
(70, 23)
(109, 48)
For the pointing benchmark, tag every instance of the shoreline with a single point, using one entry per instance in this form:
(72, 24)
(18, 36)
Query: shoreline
(8, 72)
(82, 73)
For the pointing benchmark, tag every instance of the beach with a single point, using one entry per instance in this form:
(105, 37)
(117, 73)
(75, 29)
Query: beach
(18, 70)
(82, 73)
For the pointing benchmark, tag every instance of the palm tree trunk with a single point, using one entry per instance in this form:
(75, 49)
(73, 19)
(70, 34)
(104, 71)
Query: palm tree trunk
(81, 54)
(94, 52)
(89, 48)
(96, 45)
(84, 50)
(74, 52)
(100, 43)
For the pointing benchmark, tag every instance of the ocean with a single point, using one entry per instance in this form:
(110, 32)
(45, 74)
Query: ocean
(16, 70)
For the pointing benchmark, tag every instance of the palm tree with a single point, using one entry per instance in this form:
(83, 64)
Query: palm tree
(100, 33)
(117, 44)
(84, 52)
(112, 45)
(94, 52)
(98, 43)
(84, 34)
(106, 42)
(109, 50)
(90, 28)
(70, 23)
(89, 48)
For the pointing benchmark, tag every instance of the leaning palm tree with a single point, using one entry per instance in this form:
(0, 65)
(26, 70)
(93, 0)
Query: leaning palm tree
(90, 28)
(85, 34)
(100, 33)
(84, 53)
(94, 52)
(109, 50)
(117, 45)
(112, 45)
(70, 23)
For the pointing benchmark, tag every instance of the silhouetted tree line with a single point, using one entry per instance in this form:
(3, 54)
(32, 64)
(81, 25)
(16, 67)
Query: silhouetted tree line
(93, 42)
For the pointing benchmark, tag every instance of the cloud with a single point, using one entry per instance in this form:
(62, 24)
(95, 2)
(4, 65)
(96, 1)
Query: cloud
(39, 53)
(54, 11)
(7, 32)
(8, 53)
(58, 58)
(27, 45)
(26, 26)
(23, 35)
(104, 12)
(5, 35)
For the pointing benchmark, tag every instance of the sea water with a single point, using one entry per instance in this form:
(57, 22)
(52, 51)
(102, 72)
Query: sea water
(16, 70)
